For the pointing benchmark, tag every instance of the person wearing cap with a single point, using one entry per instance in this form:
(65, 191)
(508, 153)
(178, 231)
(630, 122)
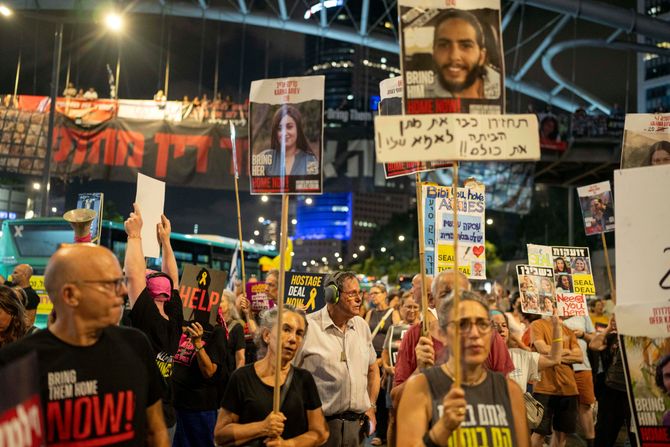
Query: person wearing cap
(156, 307)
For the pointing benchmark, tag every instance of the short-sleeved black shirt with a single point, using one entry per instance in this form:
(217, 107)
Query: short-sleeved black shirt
(96, 393)
(192, 391)
(33, 298)
(235, 343)
(251, 399)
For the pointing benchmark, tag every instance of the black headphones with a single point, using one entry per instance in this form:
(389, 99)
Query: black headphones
(331, 289)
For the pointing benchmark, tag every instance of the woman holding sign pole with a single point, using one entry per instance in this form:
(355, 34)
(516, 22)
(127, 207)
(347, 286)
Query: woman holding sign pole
(246, 417)
(487, 407)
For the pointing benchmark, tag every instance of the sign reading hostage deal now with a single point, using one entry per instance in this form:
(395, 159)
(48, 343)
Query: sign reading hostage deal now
(305, 290)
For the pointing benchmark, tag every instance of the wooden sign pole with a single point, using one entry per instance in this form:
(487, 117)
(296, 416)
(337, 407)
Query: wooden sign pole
(280, 300)
(239, 231)
(456, 349)
(422, 252)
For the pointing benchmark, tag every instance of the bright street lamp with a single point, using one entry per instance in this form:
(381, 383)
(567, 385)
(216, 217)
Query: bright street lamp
(361, 248)
(264, 198)
(355, 255)
(261, 219)
(383, 249)
(114, 22)
(308, 201)
(401, 238)
(5, 11)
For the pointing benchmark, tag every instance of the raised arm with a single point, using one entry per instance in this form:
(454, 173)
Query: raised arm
(205, 364)
(169, 267)
(134, 264)
(556, 349)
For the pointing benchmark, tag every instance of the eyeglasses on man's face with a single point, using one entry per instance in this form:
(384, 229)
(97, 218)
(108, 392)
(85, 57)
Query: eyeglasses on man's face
(116, 285)
(353, 294)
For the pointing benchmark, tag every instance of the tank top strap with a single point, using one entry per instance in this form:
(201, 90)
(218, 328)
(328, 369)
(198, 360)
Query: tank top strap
(439, 384)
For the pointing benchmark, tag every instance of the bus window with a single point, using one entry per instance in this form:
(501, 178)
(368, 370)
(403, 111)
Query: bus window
(37, 241)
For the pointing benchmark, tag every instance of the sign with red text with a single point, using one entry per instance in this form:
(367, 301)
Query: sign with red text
(286, 135)
(21, 422)
(200, 289)
(437, 82)
(645, 360)
(439, 229)
(571, 304)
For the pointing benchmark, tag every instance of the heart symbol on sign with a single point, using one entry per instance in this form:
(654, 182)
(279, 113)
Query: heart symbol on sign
(478, 250)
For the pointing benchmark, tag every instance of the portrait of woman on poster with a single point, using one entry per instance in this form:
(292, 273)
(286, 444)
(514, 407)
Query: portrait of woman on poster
(659, 154)
(529, 303)
(300, 159)
(546, 287)
(563, 284)
(579, 267)
(560, 266)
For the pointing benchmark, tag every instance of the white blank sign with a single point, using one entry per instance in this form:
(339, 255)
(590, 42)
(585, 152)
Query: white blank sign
(151, 199)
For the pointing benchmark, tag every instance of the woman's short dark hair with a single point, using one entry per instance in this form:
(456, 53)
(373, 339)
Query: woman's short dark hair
(658, 146)
(301, 141)
(11, 304)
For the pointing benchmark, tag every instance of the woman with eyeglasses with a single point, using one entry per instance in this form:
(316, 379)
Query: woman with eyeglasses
(380, 318)
(528, 364)
(487, 407)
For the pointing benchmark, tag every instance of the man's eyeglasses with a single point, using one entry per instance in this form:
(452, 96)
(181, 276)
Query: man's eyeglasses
(465, 325)
(353, 293)
(117, 284)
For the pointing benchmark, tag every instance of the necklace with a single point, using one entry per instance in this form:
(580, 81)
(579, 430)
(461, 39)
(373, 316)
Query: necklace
(477, 381)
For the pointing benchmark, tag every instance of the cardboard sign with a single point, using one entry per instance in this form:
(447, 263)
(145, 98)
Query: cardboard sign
(642, 250)
(305, 290)
(457, 137)
(150, 197)
(286, 135)
(646, 140)
(536, 287)
(258, 296)
(390, 91)
(21, 422)
(439, 229)
(649, 401)
(398, 331)
(572, 267)
(571, 305)
(597, 208)
(434, 83)
(93, 201)
(200, 290)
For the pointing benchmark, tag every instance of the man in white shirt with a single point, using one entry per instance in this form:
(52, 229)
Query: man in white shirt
(338, 352)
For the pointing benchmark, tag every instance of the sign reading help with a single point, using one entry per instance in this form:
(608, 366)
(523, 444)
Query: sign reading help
(456, 137)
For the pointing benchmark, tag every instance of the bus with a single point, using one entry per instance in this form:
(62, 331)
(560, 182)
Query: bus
(33, 241)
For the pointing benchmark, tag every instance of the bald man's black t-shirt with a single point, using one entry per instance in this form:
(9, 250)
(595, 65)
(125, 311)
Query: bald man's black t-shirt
(33, 298)
(93, 395)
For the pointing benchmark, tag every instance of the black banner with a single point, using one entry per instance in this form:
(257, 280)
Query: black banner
(305, 290)
(186, 154)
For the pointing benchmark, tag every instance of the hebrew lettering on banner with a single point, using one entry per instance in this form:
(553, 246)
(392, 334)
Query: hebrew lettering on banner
(456, 137)
(439, 229)
(572, 267)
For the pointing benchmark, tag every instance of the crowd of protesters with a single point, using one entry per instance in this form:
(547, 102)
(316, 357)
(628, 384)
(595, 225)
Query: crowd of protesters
(359, 369)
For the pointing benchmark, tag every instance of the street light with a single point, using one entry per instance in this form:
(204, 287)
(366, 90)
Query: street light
(489, 221)
(294, 221)
(251, 241)
(383, 249)
(257, 233)
(355, 255)
(361, 248)
(401, 238)
(264, 199)
(5, 11)
(261, 219)
(308, 201)
(337, 254)
(114, 21)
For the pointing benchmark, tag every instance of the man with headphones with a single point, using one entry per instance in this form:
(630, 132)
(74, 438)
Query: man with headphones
(338, 352)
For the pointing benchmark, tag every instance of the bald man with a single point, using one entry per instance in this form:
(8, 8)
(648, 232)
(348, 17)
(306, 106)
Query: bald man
(99, 383)
(21, 278)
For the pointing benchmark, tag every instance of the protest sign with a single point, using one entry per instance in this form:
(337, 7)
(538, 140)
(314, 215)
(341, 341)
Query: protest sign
(434, 81)
(257, 294)
(572, 267)
(646, 140)
(597, 208)
(536, 288)
(456, 137)
(439, 229)
(645, 362)
(305, 291)
(93, 201)
(642, 234)
(286, 135)
(394, 338)
(571, 304)
(150, 197)
(200, 291)
(21, 422)
(390, 91)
